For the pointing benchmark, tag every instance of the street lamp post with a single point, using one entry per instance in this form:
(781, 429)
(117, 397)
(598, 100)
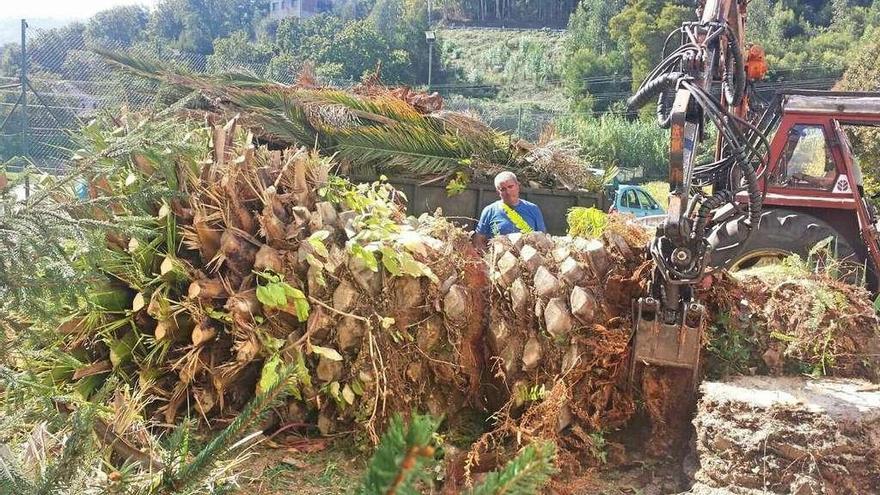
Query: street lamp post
(430, 38)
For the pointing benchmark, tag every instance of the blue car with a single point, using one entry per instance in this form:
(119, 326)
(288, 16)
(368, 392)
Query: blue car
(636, 201)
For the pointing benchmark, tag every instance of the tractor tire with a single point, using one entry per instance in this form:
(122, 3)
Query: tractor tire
(781, 233)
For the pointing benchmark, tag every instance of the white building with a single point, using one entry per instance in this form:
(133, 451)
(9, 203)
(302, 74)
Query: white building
(279, 9)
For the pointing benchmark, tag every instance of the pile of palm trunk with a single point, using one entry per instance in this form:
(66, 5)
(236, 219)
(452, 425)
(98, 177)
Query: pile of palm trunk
(249, 259)
(255, 258)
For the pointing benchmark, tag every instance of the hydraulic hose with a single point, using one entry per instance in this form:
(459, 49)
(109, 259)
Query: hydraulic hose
(704, 213)
(656, 87)
(734, 73)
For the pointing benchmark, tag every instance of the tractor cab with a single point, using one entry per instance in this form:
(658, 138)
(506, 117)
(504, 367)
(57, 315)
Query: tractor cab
(813, 187)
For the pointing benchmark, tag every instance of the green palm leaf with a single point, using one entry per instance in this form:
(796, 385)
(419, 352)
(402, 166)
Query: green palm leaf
(403, 148)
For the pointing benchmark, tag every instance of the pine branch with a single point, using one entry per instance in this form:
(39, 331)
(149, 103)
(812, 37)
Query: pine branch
(177, 448)
(12, 481)
(401, 458)
(60, 473)
(219, 447)
(524, 475)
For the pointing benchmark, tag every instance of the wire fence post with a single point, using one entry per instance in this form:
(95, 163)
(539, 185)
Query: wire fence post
(519, 116)
(24, 108)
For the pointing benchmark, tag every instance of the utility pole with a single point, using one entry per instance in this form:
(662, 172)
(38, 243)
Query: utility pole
(24, 109)
(430, 8)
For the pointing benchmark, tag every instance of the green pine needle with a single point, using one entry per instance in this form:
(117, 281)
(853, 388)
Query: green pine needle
(524, 475)
(219, 447)
(403, 457)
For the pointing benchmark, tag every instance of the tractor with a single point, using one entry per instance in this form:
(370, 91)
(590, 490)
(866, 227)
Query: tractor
(812, 188)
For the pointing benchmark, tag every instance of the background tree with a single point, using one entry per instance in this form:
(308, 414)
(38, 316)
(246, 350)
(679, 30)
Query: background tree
(117, 27)
(641, 28)
(593, 62)
(237, 52)
(166, 21)
(49, 51)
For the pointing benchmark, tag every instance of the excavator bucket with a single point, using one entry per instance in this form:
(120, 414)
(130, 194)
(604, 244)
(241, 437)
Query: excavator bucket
(657, 343)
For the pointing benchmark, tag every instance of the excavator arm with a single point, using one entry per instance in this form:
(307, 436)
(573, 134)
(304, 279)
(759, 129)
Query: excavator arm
(668, 321)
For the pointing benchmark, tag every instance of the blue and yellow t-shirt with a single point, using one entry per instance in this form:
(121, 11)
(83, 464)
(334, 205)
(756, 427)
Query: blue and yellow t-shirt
(494, 221)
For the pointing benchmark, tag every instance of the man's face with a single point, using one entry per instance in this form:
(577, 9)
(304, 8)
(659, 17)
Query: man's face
(509, 192)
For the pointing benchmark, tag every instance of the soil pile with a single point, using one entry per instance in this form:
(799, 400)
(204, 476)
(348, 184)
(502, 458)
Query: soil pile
(789, 435)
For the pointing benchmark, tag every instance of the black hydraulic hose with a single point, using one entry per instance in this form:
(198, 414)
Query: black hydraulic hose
(668, 39)
(723, 121)
(704, 213)
(657, 87)
(653, 88)
(664, 113)
(734, 73)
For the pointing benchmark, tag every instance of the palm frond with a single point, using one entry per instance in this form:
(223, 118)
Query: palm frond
(384, 109)
(140, 66)
(279, 114)
(403, 148)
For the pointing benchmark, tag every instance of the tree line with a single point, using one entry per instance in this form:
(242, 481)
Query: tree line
(613, 44)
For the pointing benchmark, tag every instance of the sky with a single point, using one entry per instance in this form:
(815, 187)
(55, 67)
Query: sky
(80, 9)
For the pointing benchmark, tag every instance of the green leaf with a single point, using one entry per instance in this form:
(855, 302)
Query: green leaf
(312, 261)
(782, 336)
(302, 309)
(409, 265)
(316, 240)
(264, 296)
(327, 352)
(269, 373)
(300, 302)
(366, 256)
(277, 294)
(334, 390)
(389, 260)
(348, 394)
(357, 387)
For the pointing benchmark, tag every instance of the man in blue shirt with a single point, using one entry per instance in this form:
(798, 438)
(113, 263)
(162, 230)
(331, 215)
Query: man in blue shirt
(509, 214)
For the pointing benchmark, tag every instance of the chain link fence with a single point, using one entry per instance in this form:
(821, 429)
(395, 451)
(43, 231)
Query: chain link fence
(59, 82)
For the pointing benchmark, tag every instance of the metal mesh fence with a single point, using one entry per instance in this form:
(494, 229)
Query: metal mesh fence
(67, 82)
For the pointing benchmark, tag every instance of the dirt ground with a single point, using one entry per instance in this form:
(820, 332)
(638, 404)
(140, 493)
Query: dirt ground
(336, 467)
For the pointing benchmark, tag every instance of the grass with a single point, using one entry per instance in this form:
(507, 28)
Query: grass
(511, 80)
(589, 223)
(488, 56)
(523, 115)
(638, 146)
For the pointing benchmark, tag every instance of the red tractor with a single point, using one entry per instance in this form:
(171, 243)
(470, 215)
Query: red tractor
(770, 196)
(812, 188)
